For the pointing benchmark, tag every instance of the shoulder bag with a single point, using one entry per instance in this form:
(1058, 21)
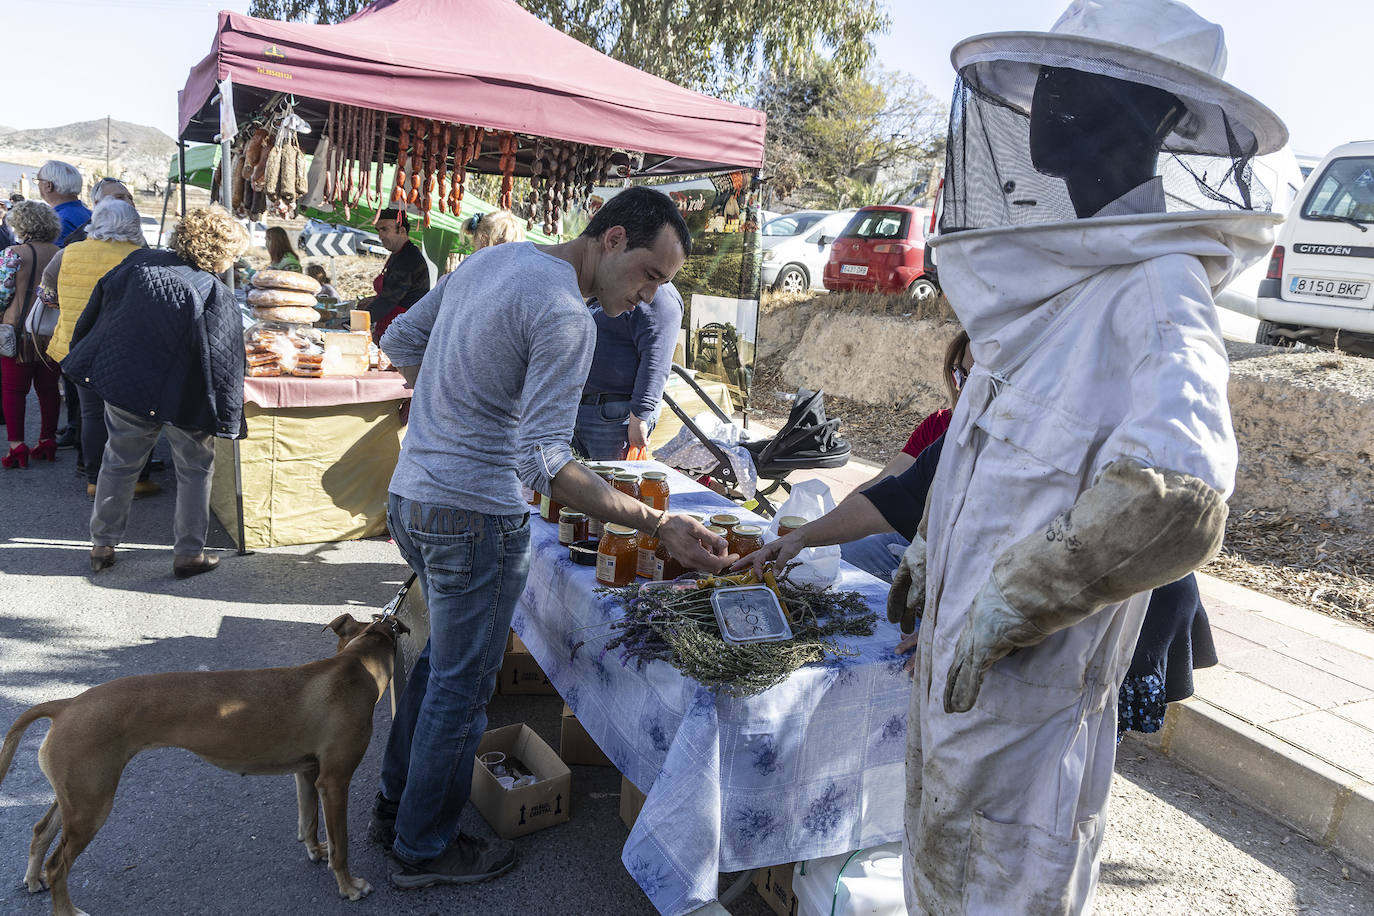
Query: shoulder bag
(10, 332)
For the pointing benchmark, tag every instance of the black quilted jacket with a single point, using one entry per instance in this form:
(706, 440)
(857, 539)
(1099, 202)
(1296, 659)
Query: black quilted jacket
(164, 341)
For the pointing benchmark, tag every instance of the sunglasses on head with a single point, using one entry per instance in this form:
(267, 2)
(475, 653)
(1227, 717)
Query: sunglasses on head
(960, 375)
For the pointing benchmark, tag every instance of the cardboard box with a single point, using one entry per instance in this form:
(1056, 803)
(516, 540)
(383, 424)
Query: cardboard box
(521, 674)
(631, 802)
(575, 746)
(516, 812)
(774, 884)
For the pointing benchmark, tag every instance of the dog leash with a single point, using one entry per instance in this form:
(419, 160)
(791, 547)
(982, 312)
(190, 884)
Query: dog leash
(394, 605)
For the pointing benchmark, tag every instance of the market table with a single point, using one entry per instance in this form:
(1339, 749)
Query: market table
(813, 767)
(316, 463)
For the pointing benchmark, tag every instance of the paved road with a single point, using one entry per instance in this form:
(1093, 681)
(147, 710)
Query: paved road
(186, 838)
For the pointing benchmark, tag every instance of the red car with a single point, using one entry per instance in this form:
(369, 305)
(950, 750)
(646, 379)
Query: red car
(882, 250)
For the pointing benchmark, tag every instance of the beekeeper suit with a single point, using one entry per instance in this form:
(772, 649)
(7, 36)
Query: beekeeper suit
(1098, 194)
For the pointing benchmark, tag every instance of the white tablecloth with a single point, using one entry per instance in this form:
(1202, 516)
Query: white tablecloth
(812, 767)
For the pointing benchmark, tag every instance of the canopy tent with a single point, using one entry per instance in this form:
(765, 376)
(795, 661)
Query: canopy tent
(480, 62)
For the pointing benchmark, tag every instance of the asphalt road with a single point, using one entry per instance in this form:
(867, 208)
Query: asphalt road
(187, 838)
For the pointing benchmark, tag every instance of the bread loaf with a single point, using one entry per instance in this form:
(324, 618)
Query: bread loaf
(286, 279)
(275, 298)
(290, 314)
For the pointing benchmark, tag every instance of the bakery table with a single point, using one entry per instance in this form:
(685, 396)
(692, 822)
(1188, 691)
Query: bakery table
(812, 767)
(316, 463)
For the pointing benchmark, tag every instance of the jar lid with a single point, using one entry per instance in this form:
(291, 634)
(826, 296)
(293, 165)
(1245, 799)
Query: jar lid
(717, 530)
(791, 521)
(749, 531)
(723, 519)
(631, 477)
(620, 531)
(655, 475)
(571, 515)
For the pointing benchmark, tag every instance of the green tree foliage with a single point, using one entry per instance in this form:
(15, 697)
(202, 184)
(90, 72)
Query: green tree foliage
(716, 46)
(836, 140)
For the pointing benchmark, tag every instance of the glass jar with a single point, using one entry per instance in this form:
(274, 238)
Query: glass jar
(653, 489)
(789, 523)
(644, 563)
(725, 520)
(616, 556)
(665, 566)
(549, 508)
(572, 527)
(626, 483)
(606, 473)
(536, 499)
(745, 539)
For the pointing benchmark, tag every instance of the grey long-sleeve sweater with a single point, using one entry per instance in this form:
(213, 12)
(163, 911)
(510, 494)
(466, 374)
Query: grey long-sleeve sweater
(504, 344)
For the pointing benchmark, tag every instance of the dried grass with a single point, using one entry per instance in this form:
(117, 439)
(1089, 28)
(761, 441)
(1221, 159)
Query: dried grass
(893, 306)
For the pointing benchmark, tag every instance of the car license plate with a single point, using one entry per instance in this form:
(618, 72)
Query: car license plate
(856, 269)
(1329, 289)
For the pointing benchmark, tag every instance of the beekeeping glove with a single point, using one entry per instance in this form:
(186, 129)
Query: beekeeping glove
(1134, 529)
(907, 598)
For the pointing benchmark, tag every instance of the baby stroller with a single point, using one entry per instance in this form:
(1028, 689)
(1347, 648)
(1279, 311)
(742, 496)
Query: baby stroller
(808, 440)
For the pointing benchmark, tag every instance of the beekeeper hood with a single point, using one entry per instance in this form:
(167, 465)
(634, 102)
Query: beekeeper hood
(1037, 113)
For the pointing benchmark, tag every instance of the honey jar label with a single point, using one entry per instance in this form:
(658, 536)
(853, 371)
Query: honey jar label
(658, 569)
(647, 560)
(566, 534)
(605, 568)
(594, 528)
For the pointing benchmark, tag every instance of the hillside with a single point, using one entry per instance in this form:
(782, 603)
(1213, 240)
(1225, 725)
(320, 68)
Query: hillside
(137, 153)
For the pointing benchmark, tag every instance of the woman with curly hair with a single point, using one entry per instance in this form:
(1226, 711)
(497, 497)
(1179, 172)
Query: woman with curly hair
(37, 227)
(161, 342)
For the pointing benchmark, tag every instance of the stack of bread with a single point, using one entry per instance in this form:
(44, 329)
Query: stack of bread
(274, 350)
(284, 296)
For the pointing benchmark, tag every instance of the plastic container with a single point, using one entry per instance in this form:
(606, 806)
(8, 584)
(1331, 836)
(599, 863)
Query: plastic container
(867, 882)
(749, 614)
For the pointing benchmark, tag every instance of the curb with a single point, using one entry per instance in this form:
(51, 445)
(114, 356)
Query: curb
(1321, 800)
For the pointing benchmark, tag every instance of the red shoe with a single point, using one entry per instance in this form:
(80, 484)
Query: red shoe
(45, 450)
(17, 458)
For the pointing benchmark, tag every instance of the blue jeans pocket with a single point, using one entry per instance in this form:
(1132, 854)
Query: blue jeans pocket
(615, 411)
(448, 559)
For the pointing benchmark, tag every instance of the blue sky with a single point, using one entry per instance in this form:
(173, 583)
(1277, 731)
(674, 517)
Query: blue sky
(127, 58)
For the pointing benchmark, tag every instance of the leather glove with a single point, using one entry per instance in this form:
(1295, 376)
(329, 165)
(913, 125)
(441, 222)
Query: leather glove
(906, 600)
(1135, 529)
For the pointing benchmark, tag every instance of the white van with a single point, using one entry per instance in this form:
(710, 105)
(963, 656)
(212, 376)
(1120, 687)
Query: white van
(796, 247)
(1319, 288)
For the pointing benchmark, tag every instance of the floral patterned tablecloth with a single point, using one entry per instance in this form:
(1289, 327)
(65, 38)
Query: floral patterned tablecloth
(812, 767)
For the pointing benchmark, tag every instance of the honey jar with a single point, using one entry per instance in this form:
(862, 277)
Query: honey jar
(572, 527)
(644, 562)
(549, 508)
(535, 498)
(725, 520)
(653, 489)
(665, 566)
(745, 539)
(626, 483)
(616, 555)
(789, 523)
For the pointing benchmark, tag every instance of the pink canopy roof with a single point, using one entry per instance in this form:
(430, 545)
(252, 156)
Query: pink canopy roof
(482, 62)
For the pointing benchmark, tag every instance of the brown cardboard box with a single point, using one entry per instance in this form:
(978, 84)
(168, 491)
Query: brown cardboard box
(575, 746)
(774, 885)
(631, 802)
(516, 812)
(521, 674)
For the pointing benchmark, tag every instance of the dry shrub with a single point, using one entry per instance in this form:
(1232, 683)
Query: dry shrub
(892, 306)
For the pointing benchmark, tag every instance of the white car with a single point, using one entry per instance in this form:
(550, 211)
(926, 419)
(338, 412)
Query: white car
(1319, 288)
(152, 231)
(796, 247)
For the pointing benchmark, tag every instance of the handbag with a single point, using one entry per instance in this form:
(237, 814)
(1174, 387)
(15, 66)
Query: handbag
(9, 331)
(42, 319)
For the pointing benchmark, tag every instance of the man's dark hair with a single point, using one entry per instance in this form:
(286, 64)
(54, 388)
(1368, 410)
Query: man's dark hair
(395, 216)
(643, 212)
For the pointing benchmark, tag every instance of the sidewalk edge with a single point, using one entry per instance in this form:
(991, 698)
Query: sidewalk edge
(1323, 802)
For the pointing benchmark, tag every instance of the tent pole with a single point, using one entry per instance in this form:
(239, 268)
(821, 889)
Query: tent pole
(181, 155)
(226, 184)
(162, 226)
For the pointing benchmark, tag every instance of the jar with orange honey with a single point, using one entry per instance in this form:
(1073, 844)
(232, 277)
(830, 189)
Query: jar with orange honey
(725, 520)
(789, 523)
(644, 562)
(572, 527)
(665, 566)
(549, 508)
(745, 539)
(617, 555)
(653, 489)
(626, 483)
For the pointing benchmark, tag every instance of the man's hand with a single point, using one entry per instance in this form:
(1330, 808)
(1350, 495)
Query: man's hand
(907, 597)
(692, 545)
(637, 432)
(777, 552)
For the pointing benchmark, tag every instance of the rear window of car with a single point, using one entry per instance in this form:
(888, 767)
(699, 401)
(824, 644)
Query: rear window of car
(790, 225)
(1345, 190)
(878, 224)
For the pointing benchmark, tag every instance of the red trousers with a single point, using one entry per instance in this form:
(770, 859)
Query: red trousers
(15, 381)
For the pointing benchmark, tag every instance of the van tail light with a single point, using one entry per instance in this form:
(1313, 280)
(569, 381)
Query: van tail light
(1275, 271)
(891, 248)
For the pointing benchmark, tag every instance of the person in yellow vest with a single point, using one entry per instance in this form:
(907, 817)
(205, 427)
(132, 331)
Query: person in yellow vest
(114, 232)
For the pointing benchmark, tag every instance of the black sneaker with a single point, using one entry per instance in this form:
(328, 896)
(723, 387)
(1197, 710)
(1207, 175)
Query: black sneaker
(66, 438)
(467, 860)
(382, 829)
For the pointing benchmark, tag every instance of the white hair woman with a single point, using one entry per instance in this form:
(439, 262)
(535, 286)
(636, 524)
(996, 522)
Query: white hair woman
(115, 231)
(105, 189)
(36, 226)
(124, 348)
(60, 185)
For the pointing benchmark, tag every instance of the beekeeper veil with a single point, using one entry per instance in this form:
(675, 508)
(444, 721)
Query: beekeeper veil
(1052, 126)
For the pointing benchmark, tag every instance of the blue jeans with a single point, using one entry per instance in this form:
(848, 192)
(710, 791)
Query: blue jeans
(601, 433)
(472, 568)
(873, 554)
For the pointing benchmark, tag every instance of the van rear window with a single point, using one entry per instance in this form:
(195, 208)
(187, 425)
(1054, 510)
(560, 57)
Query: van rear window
(1344, 191)
(878, 224)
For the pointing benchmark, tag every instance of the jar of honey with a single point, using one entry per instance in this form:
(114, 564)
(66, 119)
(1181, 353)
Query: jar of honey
(549, 508)
(653, 489)
(745, 539)
(535, 498)
(644, 562)
(725, 520)
(616, 555)
(665, 567)
(719, 532)
(572, 527)
(626, 483)
(789, 523)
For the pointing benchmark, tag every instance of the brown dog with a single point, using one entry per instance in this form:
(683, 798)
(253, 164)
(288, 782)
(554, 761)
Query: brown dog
(314, 721)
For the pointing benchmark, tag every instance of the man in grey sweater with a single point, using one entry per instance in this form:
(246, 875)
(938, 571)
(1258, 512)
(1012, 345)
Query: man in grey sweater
(498, 353)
